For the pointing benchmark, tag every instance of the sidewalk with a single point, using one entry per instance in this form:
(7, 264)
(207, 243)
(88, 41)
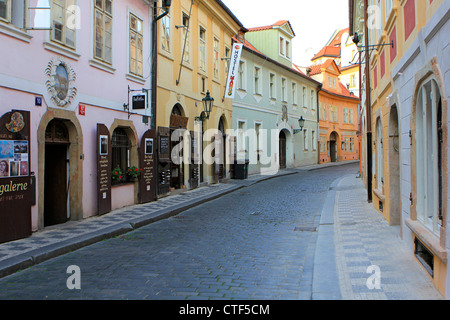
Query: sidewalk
(60, 239)
(363, 238)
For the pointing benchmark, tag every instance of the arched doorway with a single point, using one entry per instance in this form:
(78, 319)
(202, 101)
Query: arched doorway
(394, 168)
(56, 168)
(333, 146)
(177, 121)
(222, 156)
(282, 149)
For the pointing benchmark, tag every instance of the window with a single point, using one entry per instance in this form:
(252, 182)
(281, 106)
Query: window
(350, 115)
(241, 71)
(281, 46)
(165, 41)
(136, 45)
(379, 153)
(283, 89)
(227, 61)
(304, 97)
(202, 49)
(121, 147)
(312, 100)
(288, 49)
(241, 136)
(272, 85)
(103, 30)
(345, 115)
(428, 137)
(353, 80)
(61, 32)
(5, 10)
(313, 140)
(305, 139)
(216, 58)
(257, 80)
(186, 39)
(387, 8)
(352, 144)
(13, 11)
(294, 93)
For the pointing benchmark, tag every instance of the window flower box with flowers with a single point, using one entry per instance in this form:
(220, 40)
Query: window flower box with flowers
(119, 177)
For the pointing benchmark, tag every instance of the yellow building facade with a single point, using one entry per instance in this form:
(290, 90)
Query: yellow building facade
(194, 44)
(407, 119)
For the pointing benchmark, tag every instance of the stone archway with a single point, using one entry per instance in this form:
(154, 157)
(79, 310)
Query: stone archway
(74, 155)
(394, 168)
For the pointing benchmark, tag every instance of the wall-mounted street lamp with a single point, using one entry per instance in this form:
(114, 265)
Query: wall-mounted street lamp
(208, 103)
(301, 124)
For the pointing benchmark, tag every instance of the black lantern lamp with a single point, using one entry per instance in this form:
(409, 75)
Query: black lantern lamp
(301, 123)
(208, 103)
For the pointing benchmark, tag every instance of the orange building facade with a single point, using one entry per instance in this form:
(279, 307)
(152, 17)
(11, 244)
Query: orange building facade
(338, 115)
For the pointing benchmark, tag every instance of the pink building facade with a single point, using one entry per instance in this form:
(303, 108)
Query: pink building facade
(74, 86)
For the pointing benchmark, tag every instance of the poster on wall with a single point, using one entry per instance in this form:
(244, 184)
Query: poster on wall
(15, 183)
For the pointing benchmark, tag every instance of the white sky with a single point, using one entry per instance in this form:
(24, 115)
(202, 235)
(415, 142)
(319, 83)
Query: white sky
(313, 21)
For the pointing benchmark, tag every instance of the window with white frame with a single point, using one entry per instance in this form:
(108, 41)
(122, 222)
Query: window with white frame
(62, 32)
(282, 46)
(304, 97)
(216, 58)
(103, 30)
(241, 72)
(257, 79)
(305, 139)
(241, 136)
(313, 140)
(379, 153)
(136, 39)
(312, 100)
(429, 152)
(5, 10)
(227, 61)
(186, 38)
(294, 93)
(14, 12)
(283, 89)
(202, 49)
(272, 85)
(387, 8)
(165, 34)
(288, 49)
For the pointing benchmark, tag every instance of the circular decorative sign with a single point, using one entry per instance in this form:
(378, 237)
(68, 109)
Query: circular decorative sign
(60, 82)
(16, 124)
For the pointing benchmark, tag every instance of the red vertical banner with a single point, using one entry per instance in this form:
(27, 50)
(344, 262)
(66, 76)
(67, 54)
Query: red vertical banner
(103, 169)
(15, 184)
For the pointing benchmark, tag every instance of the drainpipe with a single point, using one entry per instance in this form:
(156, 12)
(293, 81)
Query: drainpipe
(368, 107)
(319, 87)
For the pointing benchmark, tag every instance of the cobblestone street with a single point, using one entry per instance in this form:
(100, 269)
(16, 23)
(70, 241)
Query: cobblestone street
(308, 234)
(254, 243)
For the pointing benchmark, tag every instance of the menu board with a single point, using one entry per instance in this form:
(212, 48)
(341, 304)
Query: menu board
(147, 182)
(103, 170)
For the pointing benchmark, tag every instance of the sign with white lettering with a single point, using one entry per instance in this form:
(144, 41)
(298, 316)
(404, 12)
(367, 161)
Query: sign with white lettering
(233, 70)
(139, 101)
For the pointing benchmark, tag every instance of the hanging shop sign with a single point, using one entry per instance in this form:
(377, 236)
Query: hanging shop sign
(15, 184)
(233, 70)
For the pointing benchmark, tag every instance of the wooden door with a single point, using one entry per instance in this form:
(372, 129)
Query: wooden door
(55, 188)
(282, 150)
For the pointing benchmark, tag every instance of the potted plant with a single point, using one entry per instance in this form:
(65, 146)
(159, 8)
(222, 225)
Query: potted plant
(117, 175)
(133, 172)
